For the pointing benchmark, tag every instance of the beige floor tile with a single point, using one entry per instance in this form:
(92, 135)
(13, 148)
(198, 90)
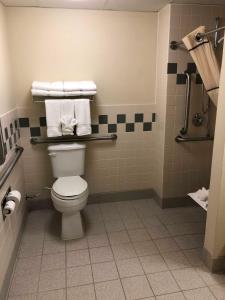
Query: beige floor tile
(136, 287)
(53, 295)
(25, 297)
(78, 258)
(158, 232)
(112, 226)
(101, 254)
(76, 244)
(176, 260)
(104, 271)
(28, 249)
(173, 296)
(133, 223)
(190, 241)
(118, 237)
(30, 265)
(151, 221)
(123, 251)
(210, 278)
(110, 290)
(185, 228)
(94, 228)
(218, 291)
(85, 292)
(53, 262)
(79, 276)
(153, 263)
(53, 246)
(200, 294)
(145, 248)
(99, 240)
(52, 280)
(166, 245)
(139, 235)
(188, 279)
(163, 283)
(25, 284)
(129, 267)
(194, 257)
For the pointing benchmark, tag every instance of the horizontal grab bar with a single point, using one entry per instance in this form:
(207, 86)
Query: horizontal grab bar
(181, 139)
(10, 165)
(36, 140)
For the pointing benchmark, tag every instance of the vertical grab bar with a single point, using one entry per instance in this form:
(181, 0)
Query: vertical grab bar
(184, 130)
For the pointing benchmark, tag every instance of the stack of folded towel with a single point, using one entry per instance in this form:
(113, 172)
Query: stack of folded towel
(63, 88)
(63, 115)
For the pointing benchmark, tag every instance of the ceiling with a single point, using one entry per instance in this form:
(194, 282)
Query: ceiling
(128, 5)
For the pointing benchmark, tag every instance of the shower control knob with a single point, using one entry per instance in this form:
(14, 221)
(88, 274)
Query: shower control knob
(197, 119)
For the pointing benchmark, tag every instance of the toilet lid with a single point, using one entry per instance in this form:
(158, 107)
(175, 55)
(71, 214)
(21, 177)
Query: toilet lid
(69, 186)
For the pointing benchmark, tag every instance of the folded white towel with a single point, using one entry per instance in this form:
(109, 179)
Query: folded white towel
(201, 195)
(48, 86)
(68, 120)
(83, 116)
(69, 86)
(53, 116)
(61, 93)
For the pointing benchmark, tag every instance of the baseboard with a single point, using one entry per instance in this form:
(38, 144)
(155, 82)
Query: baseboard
(215, 264)
(121, 196)
(9, 272)
(176, 202)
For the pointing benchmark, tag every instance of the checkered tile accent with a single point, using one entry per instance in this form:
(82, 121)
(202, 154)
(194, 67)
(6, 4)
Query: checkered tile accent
(146, 119)
(172, 68)
(11, 134)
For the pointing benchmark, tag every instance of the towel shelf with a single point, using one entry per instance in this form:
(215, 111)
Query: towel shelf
(41, 99)
(54, 140)
(182, 139)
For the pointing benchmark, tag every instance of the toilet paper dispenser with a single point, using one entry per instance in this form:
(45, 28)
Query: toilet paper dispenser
(10, 202)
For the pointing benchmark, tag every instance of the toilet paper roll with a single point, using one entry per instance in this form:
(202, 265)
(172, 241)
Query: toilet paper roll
(14, 196)
(9, 208)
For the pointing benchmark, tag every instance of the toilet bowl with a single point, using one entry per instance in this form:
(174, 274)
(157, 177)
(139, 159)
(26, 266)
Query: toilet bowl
(69, 196)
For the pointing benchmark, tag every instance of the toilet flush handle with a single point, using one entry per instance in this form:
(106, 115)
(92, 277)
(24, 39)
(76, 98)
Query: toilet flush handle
(52, 154)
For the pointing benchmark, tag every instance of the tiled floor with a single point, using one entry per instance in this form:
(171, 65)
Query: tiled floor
(132, 250)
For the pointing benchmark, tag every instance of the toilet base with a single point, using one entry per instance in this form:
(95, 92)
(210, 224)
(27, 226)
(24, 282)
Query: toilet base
(72, 227)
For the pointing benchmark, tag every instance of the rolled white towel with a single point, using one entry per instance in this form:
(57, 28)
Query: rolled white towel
(88, 85)
(80, 93)
(48, 86)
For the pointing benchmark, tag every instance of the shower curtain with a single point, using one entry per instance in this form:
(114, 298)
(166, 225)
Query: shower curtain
(204, 57)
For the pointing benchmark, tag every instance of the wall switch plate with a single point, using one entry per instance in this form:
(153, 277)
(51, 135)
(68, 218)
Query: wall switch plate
(3, 202)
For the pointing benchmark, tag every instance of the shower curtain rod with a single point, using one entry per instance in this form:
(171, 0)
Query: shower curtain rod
(199, 37)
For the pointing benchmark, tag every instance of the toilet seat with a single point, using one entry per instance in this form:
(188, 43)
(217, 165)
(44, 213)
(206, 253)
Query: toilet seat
(69, 188)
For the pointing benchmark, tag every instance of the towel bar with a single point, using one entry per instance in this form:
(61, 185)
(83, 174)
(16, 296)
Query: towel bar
(54, 140)
(41, 99)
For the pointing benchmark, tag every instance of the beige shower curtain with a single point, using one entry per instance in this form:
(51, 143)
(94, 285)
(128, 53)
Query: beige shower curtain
(204, 57)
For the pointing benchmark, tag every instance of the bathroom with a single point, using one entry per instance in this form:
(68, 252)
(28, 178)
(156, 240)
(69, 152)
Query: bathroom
(153, 146)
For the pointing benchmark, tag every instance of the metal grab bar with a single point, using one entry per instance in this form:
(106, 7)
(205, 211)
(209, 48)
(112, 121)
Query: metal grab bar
(184, 130)
(36, 140)
(10, 166)
(182, 139)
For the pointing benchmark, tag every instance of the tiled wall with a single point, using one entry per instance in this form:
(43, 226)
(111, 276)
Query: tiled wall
(125, 164)
(186, 166)
(11, 226)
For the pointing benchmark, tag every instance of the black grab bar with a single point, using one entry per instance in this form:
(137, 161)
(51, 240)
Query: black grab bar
(55, 140)
(182, 139)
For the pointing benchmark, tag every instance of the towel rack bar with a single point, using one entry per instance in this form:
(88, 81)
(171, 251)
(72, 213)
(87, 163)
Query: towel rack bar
(41, 99)
(10, 165)
(54, 140)
(181, 139)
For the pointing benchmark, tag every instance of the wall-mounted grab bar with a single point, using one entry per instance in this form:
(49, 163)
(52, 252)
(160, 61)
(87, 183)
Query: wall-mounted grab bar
(184, 130)
(54, 140)
(10, 165)
(182, 139)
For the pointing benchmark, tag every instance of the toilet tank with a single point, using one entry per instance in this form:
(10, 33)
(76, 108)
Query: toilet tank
(67, 159)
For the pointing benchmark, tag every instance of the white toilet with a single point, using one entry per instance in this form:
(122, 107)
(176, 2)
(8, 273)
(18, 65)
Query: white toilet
(69, 192)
